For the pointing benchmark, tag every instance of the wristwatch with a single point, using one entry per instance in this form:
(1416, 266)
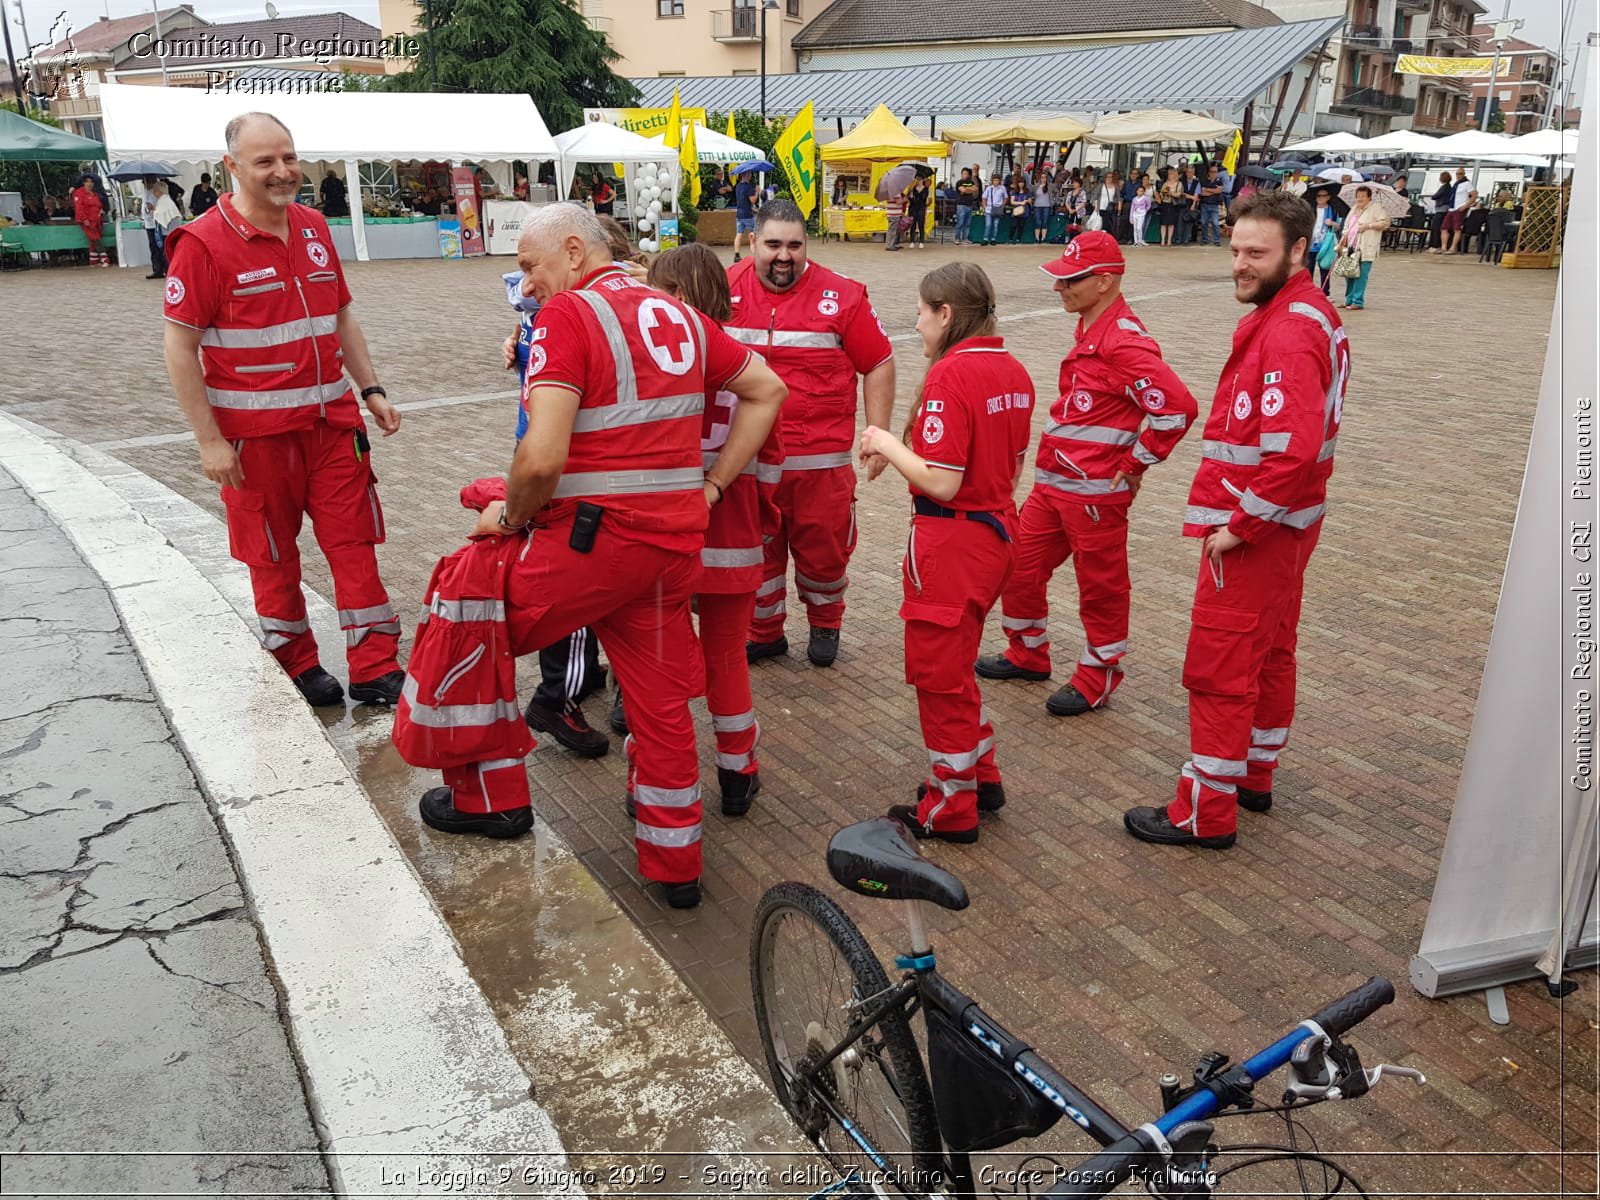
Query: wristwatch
(506, 525)
(374, 390)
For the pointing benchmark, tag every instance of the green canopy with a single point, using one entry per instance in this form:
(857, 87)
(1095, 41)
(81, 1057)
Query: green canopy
(22, 140)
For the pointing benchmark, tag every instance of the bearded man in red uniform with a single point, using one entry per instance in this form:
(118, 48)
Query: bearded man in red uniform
(1257, 503)
(818, 331)
(259, 338)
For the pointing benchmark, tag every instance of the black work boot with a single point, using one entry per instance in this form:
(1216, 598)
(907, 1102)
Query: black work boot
(998, 666)
(756, 651)
(569, 727)
(1253, 800)
(823, 647)
(991, 796)
(738, 791)
(320, 689)
(906, 814)
(385, 689)
(1068, 701)
(1153, 825)
(619, 716)
(683, 895)
(439, 812)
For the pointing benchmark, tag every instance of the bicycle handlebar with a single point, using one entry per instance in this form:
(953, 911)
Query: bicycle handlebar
(1104, 1172)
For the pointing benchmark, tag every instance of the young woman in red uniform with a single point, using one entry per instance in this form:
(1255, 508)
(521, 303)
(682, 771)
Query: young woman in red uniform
(963, 447)
(731, 560)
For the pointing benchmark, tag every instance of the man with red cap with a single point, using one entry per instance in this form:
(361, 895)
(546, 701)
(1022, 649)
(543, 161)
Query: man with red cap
(1257, 504)
(1091, 461)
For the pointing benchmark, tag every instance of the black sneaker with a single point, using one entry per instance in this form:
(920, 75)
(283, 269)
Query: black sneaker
(906, 814)
(1068, 701)
(1152, 825)
(570, 728)
(385, 689)
(439, 812)
(1253, 800)
(756, 651)
(683, 895)
(823, 647)
(991, 796)
(998, 666)
(320, 689)
(738, 791)
(619, 717)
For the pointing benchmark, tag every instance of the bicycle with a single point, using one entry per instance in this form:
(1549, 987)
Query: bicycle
(846, 1066)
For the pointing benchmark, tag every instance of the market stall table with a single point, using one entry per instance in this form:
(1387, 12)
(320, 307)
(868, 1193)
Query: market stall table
(42, 239)
(854, 222)
(415, 236)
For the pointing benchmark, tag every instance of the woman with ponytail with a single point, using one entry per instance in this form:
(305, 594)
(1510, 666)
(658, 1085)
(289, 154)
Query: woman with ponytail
(961, 453)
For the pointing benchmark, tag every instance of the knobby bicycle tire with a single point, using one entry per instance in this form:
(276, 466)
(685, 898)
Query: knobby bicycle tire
(909, 1085)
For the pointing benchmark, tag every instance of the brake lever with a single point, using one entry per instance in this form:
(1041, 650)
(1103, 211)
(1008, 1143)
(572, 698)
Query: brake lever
(1382, 1069)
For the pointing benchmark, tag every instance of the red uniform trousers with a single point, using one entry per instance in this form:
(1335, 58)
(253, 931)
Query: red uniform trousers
(1053, 528)
(724, 625)
(316, 471)
(636, 597)
(954, 572)
(817, 525)
(1240, 672)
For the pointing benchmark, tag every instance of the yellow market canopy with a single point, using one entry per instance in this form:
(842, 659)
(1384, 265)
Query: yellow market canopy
(1159, 125)
(1018, 127)
(879, 138)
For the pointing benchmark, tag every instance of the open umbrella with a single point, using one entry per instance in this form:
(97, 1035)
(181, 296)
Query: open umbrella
(142, 168)
(894, 181)
(1384, 196)
(1285, 166)
(1338, 174)
(922, 169)
(1378, 171)
(760, 164)
(1256, 173)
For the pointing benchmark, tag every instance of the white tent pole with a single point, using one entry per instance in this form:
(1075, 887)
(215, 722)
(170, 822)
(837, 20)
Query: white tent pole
(358, 217)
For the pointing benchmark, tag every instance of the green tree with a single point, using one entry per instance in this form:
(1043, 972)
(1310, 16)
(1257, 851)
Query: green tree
(542, 47)
(35, 179)
(1497, 121)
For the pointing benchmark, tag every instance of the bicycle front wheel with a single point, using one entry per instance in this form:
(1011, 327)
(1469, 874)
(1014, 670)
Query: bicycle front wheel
(811, 969)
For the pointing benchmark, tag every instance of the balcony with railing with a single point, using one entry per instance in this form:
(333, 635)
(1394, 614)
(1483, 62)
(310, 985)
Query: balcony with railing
(601, 25)
(737, 24)
(1372, 100)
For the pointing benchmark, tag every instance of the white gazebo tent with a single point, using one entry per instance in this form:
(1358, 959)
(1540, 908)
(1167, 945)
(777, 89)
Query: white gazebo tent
(186, 125)
(713, 147)
(602, 142)
(1332, 143)
(1547, 143)
(1158, 125)
(1400, 141)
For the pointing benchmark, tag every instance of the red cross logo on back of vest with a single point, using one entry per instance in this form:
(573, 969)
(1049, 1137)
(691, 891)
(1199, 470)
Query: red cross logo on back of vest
(667, 336)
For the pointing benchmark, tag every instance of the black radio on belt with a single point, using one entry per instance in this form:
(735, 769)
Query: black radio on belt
(584, 526)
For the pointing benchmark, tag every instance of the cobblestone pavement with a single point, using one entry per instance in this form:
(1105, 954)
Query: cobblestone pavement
(1119, 960)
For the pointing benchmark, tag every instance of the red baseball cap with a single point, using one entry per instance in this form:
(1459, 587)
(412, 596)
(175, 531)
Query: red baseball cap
(1092, 253)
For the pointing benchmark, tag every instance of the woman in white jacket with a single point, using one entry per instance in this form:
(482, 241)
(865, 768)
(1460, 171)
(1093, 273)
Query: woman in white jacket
(1362, 232)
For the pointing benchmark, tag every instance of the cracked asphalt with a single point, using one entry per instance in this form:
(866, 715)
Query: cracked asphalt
(144, 1047)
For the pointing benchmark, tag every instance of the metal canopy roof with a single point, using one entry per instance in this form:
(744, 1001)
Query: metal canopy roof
(1213, 71)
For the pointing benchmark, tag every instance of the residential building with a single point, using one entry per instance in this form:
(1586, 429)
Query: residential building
(1521, 91)
(672, 37)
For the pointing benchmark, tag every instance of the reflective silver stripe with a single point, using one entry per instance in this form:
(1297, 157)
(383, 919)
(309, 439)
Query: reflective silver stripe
(734, 762)
(951, 786)
(957, 760)
(763, 611)
(365, 616)
(457, 716)
(659, 797)
(708, 459)
(1324, 454)
(670, 838)
(821, 585)
(455, 673)
(264, 368)
(279, 286)
(1109, 650)
(1332, 398)
(1219, 767)
(1265, 510)
(1103, 434)
(1274, 443)
(275, 625)
(269, 335)
(616, 483)
(322, 393)
(1260, 755)
(354, 637)
(468, 610)
(611, 327)
(1141, 455)
(1304, 518)
(1169, 421)
(1022, 622)
(276, 641)
(772, 584)
(499, 764)
(793, 338)
(1131, 326)
(725, 556)
(816, 462)
(821, 599)
(1081, 487)
(1199, 779)
(1270, 737)
(737, 723)
(1033, 641)
(1193, 515)
(768, 472)
(1244, 456)
(640, 412)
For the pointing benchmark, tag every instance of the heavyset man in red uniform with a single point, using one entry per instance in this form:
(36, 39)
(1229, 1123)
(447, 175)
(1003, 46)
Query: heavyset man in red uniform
(819, 331)
(1257, 503)
(603, 522)
(1091, 462)
(259, 337)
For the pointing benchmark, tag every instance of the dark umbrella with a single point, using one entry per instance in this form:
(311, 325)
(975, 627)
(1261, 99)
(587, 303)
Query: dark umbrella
(1378, 171)
(1285, 165)
(760, 164)
(1256, 173)
(142, 168)
(923, 170)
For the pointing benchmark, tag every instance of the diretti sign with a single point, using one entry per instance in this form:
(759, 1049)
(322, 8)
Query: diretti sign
(646, 122)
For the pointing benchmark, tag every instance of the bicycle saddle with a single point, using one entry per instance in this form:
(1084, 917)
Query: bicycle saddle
(879, 858)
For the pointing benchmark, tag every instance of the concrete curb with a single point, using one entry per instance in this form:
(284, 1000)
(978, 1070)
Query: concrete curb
(406, 1069)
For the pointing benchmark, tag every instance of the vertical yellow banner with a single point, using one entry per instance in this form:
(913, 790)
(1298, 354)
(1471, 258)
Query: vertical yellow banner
(796, 152)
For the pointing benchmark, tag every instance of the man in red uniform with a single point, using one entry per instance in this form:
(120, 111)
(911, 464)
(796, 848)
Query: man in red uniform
(259, 338)
(610, 479)
(1257, 502)
(1091, 462)
(818, 330)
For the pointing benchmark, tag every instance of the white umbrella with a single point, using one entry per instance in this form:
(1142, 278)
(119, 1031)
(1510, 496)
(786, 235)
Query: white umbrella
(1546, 143)
(1384, 196)
(1339, 174)
(1332, 143)
(1473, 144)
